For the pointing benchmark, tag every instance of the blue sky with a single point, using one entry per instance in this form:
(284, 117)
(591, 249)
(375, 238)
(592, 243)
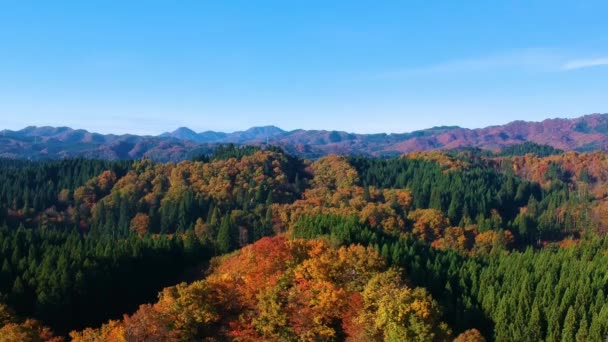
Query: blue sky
(362, 66)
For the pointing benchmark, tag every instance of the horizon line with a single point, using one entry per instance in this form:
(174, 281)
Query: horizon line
(159, 135)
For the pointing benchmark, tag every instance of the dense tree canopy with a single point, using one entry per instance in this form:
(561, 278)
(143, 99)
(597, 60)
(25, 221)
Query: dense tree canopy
(281, 290)
(428, 246)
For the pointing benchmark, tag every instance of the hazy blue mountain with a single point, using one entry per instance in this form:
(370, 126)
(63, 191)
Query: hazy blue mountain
(580, 134)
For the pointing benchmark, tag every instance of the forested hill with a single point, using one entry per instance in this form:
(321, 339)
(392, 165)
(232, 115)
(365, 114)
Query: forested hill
(429, 246)
(585, 133)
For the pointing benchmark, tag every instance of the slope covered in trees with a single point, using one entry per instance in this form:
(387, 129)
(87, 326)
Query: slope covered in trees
(108, 236)
(281, 290)
(508, 247)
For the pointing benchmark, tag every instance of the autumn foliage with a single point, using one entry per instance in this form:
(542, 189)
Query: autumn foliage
(279, 289)
(28, 330)
(364, 249)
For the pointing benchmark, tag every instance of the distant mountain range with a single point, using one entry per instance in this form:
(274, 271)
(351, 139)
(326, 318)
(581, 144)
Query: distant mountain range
(586, 133)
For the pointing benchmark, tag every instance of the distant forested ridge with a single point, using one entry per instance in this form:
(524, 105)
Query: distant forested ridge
(582, 134)
(252, 243)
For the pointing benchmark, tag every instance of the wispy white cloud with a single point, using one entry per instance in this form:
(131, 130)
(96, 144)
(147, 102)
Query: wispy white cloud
(521, 59)
(529, 58)
(585, 63)
(539, 60)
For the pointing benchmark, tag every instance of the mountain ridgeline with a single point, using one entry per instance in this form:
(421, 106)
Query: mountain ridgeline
(585, 133)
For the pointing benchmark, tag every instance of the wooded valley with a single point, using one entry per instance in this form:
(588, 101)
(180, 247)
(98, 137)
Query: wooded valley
(252, 244)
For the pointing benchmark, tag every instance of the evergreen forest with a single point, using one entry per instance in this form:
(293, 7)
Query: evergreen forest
(253, 244)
